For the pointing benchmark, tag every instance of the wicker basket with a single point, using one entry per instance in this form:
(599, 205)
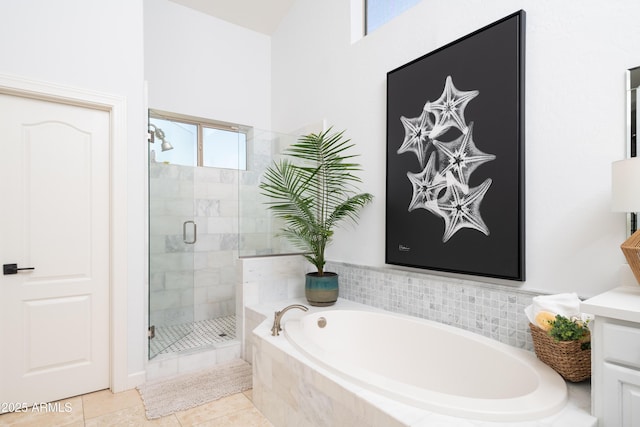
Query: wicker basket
(566, 357)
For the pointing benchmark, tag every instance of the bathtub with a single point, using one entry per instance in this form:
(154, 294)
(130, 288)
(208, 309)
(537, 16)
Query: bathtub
(429, 365)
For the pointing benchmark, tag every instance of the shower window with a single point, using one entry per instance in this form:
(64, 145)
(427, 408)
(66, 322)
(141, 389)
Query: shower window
(192, 141)
(224, 148)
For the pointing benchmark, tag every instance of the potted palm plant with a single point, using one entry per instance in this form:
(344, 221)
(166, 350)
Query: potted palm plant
(312, 188)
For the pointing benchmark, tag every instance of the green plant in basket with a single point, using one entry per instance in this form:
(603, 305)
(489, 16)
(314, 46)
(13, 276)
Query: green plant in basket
(564, 329)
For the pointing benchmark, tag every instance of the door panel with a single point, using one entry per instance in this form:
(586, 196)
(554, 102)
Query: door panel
(46, 347)
(65, 197)
(54, 217)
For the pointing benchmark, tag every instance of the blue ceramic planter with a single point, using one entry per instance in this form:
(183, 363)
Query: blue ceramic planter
(321, 291)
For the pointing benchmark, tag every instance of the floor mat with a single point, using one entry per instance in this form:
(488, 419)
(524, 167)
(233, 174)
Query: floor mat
(168, 395)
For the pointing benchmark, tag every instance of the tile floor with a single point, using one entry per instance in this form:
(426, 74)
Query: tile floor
(187, 336)
(104, 408)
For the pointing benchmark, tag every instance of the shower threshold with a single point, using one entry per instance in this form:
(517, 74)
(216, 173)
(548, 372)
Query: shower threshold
(191, 336)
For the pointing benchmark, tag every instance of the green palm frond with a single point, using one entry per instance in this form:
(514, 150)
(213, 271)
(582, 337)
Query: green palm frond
(315, 191)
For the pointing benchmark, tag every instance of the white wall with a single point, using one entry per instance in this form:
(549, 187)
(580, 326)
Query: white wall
(202, 66)
(94, 45)
(576, 55)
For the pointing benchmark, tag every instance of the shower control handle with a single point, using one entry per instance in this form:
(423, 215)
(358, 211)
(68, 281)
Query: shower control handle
(184, 232)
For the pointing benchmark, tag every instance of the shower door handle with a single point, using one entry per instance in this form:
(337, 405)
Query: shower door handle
(184, 232)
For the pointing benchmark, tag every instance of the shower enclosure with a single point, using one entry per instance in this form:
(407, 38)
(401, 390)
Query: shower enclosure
(204, 214)
(192, 239)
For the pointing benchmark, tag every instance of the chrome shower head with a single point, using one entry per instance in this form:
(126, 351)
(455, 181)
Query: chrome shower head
(159, 133)
(165, 146)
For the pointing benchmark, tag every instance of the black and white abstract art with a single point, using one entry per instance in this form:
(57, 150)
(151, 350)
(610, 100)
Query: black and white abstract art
(455, 156)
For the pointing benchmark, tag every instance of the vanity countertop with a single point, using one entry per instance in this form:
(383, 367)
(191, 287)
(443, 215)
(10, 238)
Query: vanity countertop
(621, 303)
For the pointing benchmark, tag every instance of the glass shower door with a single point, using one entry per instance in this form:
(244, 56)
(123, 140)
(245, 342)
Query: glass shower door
(172, 235)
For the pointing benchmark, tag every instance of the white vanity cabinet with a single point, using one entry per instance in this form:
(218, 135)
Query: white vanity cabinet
(615, 356)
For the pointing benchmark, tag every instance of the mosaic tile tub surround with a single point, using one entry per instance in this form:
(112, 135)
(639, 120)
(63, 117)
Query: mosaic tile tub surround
(492, 310)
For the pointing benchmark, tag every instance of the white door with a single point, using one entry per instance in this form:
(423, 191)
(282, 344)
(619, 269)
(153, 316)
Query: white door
(54, 218)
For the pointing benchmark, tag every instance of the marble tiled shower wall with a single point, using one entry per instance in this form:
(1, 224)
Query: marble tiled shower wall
(495, 311)
(192, 282)
(232, 221)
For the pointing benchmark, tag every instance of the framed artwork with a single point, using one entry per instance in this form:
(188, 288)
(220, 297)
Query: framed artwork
(455, 156)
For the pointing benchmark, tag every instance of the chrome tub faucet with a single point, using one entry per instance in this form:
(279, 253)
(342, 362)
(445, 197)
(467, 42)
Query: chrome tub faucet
(277, 317)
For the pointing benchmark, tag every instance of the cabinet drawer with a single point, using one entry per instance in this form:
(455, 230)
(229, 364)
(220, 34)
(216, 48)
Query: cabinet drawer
(621, 344)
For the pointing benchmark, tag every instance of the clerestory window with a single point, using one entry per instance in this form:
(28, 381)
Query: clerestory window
(379, 12)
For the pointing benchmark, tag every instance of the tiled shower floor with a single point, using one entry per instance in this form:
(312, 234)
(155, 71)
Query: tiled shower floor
(194, 335)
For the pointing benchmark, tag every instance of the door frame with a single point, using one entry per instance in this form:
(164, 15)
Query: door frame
(116, 107)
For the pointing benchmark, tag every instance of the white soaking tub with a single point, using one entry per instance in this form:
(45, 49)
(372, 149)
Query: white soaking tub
(430, 365)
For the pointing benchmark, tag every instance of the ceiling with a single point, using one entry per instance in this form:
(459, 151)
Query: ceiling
(262, 16)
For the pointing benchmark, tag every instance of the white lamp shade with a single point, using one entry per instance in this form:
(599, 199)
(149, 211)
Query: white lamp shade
(625, 185)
